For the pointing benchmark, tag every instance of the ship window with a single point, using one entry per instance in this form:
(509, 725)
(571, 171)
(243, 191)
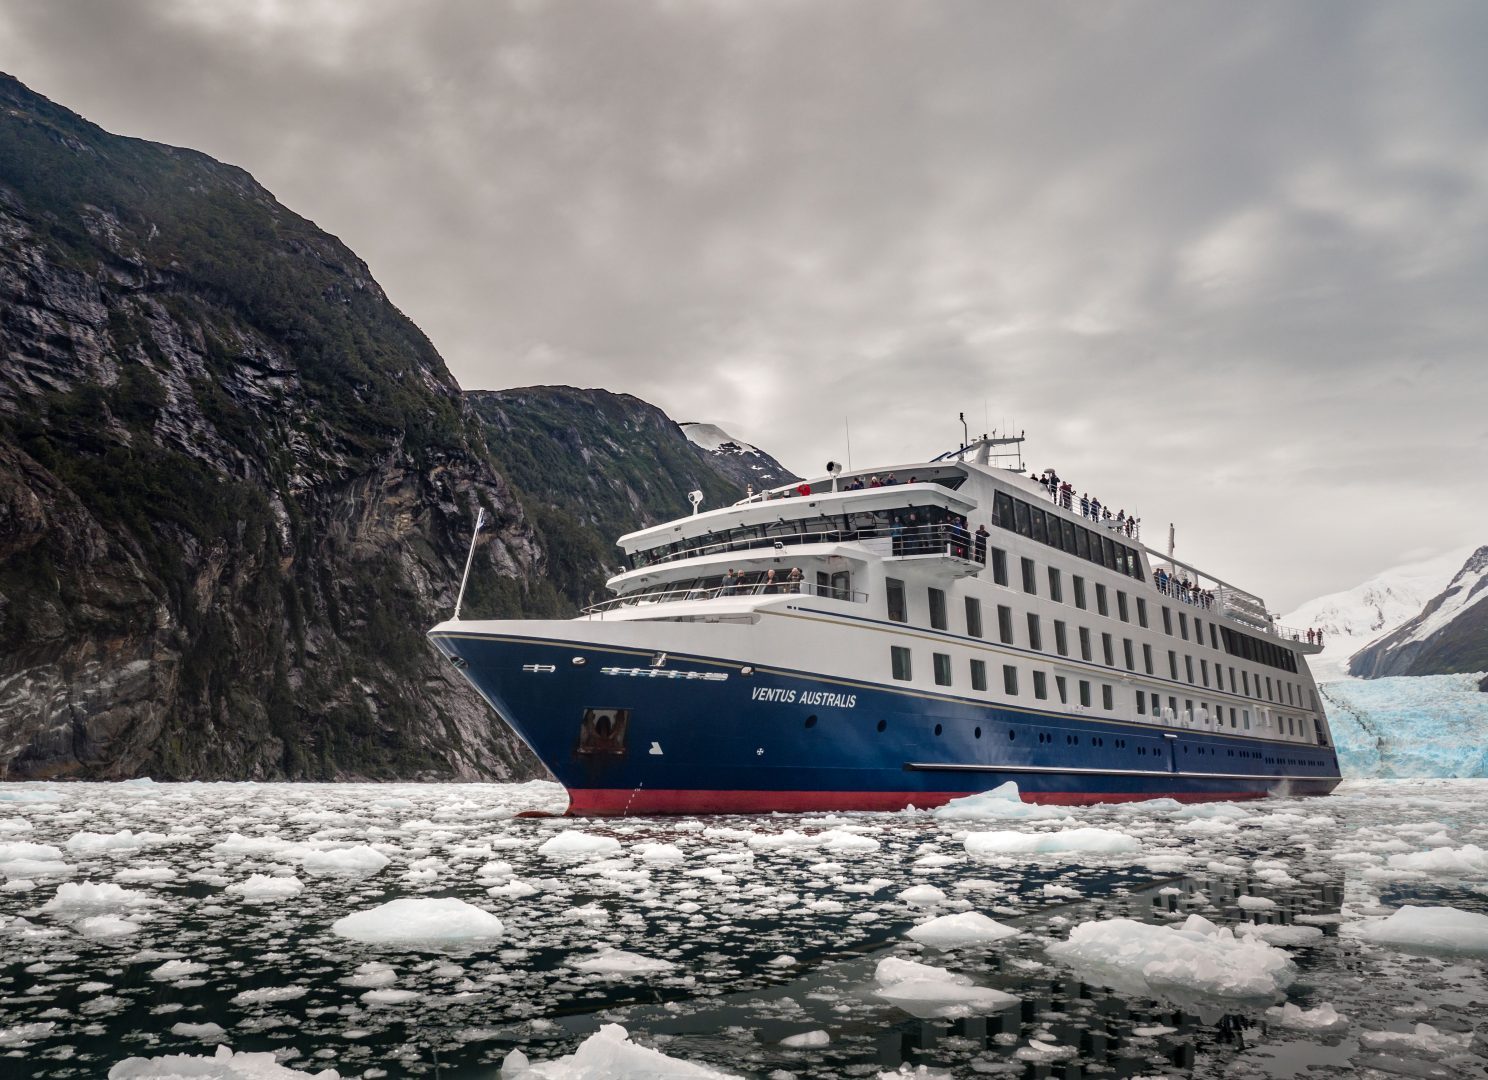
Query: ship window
(1035, 632)
(1061, 638)
(1107, 650)
(1167, 620)
(1085, 643)
(1030, 578)
(1188, 668)
(1198, 630)
(1004, 624)
(1062, 688)
(1010, 680)
(973, 617)
(894, 589)
(899, 658)
(1245, 678)
(1056, 587)
(1219, 678)
(1085, 693)
(1002, 510)
(1109, 547)
(1025, 528)
(1173, 665)
(979, 675)
(1036, 517)
(1213, 638)
(942, 663)
(1067, 528)
(1142, 613)
(1204, 671)
(1183, 625)
(1079, 583)
(1102, 603)
(1108, 697)
(1147, 658)
(1121, 609)
(1082, 542)
(1040, 685)
(999, 566)
(1128, 654)
(1141, 703)
(937, 609)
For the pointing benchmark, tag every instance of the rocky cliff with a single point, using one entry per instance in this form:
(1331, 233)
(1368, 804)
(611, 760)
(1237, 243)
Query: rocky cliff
(236, 484)
(1449, 636)
(591, 465)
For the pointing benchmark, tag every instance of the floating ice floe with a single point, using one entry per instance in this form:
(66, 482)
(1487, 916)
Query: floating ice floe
(608, 1054)
(573, 842)
(1085, 841)
(924, 990)
(1437, 929)
(106, 926)
(261, 888)
(1322, 1018)
(420, 920)
(1467, 860)
(1424, 1040)
(357, 859)
(617, 963)
(1198, 957)
(207, 1032)
(87, 896)
(172, 970)
(92, 843)
(1255, 903)
(25, 1034)
(224, 1065)
(807, 1040)
(962, 928)
(269, 995)
(1002, 803)
(659, 853)
(921, 895)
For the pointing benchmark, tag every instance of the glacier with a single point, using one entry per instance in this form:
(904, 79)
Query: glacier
(1410, 725)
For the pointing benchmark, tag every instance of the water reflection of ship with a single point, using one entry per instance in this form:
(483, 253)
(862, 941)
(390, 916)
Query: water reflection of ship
(1115, 1032)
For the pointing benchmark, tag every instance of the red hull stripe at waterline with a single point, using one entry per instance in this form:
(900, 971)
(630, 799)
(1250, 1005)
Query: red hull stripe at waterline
(613, 802)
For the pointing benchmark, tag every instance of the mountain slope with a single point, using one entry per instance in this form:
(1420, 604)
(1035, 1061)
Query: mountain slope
(236, 484)
(747, 465)
(1449, 636)
(591, 465)
(1352, 618)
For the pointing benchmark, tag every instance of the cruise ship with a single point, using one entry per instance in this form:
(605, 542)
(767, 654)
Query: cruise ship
(874, 640)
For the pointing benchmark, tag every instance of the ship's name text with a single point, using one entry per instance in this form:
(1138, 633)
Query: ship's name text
(820, 698)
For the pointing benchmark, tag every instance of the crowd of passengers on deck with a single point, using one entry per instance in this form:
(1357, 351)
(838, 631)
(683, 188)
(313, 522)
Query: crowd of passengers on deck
(1063, 493)
(1180, 588)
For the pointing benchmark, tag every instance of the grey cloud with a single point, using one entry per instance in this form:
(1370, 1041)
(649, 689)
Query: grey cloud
(1224, 263)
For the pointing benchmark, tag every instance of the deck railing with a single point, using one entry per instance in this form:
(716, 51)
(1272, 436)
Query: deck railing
(1097, 514)
(906, 540)
(781, 588)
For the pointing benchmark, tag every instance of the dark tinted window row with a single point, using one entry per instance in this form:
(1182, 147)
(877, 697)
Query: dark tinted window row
(1262, 652)
(1047, 527)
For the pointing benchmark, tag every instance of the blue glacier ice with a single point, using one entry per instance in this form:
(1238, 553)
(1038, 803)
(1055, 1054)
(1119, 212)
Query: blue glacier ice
(1415, 725)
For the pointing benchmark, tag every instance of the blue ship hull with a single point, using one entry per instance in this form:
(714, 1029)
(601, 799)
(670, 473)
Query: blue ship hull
(701, 735)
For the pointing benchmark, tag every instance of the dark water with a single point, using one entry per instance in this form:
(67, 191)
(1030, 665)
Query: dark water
(769, 934)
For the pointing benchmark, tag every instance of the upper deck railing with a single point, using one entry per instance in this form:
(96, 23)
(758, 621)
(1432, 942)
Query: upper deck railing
(906, 540)
(714, 592)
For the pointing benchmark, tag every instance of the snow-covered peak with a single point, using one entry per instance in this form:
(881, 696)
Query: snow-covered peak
(1467, 587)
(714, 438)
(1353, 618)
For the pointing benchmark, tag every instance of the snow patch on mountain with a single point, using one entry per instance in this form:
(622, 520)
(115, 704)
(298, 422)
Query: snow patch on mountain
(1353, 618)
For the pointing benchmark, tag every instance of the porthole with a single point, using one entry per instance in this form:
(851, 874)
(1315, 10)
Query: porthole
(882, 724)
(811, 721)
(977, 732)
(1012, 735)
(938, 729)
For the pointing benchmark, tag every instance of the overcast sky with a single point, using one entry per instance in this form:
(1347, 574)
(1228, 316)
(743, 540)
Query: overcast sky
(1226, 263)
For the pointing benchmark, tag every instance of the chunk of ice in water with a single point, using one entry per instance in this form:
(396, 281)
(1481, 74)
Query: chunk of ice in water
(224, 1065)
(106, 896)
(420, 920)
(1439, 929)
(1089, 841)
(1197, 957)
(1322, 1018)
(962, 928)
(262, 888)
(608, 1054)
(617, 963)
(807, 1039)
(573, 842)
(1002, 803)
